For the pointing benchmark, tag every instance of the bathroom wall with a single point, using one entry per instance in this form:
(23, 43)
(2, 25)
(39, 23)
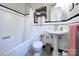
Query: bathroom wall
(66, 7)
(11, 29)
(74, 11)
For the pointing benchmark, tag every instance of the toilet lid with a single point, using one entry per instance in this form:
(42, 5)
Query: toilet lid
(37, 44)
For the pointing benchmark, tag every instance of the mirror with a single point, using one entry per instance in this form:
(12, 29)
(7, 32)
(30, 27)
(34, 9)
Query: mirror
(39, 13)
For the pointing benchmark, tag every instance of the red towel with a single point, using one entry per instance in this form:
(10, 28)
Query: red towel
(73, 38)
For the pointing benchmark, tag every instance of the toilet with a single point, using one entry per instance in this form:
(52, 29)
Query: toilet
(37, 47)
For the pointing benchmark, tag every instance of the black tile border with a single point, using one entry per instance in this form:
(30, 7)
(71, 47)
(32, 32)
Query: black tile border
(63, 20)
(13, 10)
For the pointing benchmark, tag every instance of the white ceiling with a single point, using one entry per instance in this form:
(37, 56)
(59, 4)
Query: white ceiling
(37, 5)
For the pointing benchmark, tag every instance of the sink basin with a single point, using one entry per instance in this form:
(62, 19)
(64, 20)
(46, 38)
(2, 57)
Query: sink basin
(57, 32)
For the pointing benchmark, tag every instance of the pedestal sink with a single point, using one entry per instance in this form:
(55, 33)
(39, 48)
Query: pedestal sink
(56, 34)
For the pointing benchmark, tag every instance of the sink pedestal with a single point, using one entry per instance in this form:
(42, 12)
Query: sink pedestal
(56, 34)
(55, 52)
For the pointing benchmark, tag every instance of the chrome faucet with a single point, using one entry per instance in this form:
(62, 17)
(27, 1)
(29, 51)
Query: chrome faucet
(56, 27)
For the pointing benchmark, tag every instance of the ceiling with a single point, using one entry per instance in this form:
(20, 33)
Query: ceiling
(38, 5)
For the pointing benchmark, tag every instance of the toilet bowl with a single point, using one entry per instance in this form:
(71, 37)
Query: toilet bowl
(37, 46)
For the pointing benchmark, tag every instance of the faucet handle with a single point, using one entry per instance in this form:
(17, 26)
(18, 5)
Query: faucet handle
(61, 28)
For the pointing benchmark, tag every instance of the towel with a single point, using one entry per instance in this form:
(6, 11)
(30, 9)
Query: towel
(73, 29)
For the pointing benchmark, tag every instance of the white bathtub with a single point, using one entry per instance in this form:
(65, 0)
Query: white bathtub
(22, 49)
